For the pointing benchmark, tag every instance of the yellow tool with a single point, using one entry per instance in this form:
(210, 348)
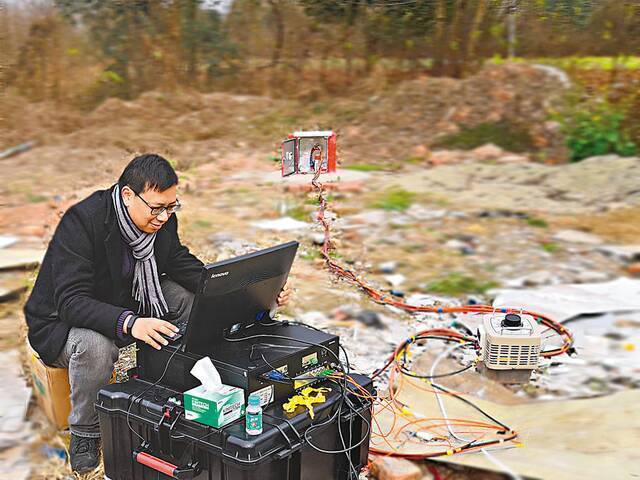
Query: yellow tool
(306, 398)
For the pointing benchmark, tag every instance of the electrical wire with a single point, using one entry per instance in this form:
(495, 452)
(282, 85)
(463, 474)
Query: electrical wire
(283, 337)
(140, 395)
(330, 419)
(345, 368)
(501, 465)
(441, 375)
(344, 398)
(342, 378)
(347, 452)
(444, 354)
(388, 299)
(398, 360)
(472, 405)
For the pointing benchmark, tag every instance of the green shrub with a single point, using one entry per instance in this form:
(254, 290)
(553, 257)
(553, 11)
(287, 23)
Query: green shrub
(299, 213)
(457, 283)
(35, 198)
(502, 134)
(597, 130)
(201, 223)
(536, 222)
(629, 62)
(363, 167)
(396, 199)
(310, 254)
(414, 160)
(550, 247)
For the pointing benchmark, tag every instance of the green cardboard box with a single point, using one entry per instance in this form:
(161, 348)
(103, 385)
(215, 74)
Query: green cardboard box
(215, 409)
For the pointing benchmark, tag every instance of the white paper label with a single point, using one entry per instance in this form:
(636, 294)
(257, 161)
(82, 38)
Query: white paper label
(265, 394)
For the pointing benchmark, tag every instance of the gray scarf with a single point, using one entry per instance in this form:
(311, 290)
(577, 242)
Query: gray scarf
(146, 281)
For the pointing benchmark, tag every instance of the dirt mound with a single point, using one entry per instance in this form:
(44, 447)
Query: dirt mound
(77, 149)
(189, 127)
(420, 111)
(113, 110)
(172, 116)
(34, 121)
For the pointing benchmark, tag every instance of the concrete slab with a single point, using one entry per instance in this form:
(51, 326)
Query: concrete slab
(562, 302)
(11, 285)
(560, 440)
(277, 178)
(14, 400)
(7, 240)
(19, 258)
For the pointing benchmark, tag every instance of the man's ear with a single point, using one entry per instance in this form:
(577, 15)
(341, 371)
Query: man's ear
(127, 195)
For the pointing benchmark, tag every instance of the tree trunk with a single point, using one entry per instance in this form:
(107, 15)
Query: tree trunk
(475, 33)
(191, 53)
(512, 7)
(276, 9)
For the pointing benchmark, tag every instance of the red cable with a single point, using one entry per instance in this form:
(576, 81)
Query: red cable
(385, 299)
(434, 472)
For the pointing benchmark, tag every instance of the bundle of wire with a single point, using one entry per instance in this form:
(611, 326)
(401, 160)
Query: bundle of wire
(440, 429)
(341, 378)
(400, 372)
(347, 386)
(388, 299)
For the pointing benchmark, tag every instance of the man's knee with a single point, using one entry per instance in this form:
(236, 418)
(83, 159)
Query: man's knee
(101, 351)
(179, 299)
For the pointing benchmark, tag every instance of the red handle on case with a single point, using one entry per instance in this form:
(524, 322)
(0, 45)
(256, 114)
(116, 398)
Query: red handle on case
(156, 463)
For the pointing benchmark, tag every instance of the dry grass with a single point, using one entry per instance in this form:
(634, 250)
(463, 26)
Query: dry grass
(618, 226)
(54, 468)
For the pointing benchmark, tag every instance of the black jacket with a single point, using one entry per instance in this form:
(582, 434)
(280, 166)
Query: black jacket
(80, 281)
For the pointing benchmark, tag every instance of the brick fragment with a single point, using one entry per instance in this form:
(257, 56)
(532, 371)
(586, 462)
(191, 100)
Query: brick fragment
(390, 468)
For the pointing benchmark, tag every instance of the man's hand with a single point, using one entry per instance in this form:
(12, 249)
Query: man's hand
(285, 294)
(149, 329)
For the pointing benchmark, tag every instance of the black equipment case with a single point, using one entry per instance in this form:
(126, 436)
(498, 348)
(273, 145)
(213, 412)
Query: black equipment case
(242, 364)
(145, 436)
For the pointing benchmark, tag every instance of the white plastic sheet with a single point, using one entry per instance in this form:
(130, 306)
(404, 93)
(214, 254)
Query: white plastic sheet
(562, 302)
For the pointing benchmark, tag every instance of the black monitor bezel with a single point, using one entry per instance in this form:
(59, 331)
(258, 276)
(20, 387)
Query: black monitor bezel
(193, 336)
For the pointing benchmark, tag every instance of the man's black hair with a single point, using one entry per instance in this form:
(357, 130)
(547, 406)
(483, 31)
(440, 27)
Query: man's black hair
(148, 172)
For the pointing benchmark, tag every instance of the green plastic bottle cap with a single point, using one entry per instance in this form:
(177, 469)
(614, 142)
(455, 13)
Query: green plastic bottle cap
(254, 400)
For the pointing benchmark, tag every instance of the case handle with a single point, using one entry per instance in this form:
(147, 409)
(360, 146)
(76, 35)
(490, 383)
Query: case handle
(288, 451)
(164, 467)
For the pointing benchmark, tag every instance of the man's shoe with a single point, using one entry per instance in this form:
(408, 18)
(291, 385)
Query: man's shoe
(85, 453)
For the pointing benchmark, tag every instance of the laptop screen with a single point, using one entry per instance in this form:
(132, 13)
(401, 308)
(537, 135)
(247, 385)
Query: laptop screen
(235, 294)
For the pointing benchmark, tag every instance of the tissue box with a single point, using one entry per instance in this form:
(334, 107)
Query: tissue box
(215, 409)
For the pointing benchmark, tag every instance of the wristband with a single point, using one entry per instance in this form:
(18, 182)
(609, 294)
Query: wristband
(130, 323)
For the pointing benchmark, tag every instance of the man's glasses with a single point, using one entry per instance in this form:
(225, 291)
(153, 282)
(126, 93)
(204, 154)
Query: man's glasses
(155, 211)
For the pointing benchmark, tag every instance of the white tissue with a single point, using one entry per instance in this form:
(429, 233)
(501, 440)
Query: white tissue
(205, 371)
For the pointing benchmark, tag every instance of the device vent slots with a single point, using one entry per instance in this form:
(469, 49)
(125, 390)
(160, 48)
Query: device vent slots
(512, 355)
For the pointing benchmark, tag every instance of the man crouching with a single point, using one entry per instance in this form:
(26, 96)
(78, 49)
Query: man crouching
(113, 270)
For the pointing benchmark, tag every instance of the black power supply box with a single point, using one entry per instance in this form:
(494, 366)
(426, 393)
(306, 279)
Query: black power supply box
(272, 360)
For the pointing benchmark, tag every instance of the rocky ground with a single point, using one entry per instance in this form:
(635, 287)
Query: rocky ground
(458, 225)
